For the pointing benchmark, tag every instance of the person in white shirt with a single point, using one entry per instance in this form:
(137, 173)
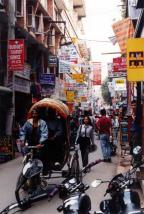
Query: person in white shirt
(85, 137)
(115, 125)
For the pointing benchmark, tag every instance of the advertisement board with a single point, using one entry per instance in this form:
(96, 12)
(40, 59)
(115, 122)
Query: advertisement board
(47, 79)
(16, 55)
(96, 73)
(119, 64)
(135, 59)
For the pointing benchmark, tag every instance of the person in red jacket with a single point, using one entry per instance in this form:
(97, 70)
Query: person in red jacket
(105, 130)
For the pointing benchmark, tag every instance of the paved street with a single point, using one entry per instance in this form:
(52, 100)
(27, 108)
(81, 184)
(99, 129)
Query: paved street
(10, 171)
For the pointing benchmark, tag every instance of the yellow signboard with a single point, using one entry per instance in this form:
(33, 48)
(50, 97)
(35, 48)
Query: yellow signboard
(120, 81)
(70, 96)
(78, 77)
(135, 59)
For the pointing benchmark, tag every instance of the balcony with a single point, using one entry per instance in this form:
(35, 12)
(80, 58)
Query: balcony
(60, 4)
(78, 3)
(79, 7)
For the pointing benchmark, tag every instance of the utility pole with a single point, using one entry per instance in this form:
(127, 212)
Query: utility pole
(11, 35)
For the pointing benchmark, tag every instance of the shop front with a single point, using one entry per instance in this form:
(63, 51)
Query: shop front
(6, 145)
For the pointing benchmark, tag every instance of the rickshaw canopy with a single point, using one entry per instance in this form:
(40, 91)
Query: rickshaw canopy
(57, 105)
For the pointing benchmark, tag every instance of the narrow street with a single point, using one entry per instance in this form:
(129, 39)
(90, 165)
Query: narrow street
(68, 69)
(10, 171)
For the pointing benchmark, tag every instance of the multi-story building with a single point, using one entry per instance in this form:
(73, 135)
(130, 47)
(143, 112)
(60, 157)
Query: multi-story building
(48, 28)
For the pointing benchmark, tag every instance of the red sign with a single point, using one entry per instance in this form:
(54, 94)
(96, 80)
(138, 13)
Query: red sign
(119, 64)
(16, 55)
(96, 73)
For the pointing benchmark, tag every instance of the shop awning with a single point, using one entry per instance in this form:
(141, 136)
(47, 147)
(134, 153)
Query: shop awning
(4, 89)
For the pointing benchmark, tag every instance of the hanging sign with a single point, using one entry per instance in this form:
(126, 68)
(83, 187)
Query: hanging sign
(52, 60)
(135, 59)
(123, 30)
(78, 77)
(47, 79)
(119, 64)
(16, 55)
(70, 96)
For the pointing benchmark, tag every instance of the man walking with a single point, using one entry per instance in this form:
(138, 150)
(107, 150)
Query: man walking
(105, 129)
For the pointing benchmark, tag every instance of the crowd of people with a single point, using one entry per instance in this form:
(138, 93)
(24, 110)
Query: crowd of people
(84, 128)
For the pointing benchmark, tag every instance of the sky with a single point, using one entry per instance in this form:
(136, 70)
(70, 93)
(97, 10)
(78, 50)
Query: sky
(100, 15)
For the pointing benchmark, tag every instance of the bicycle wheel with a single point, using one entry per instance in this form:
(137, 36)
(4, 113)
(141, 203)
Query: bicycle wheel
(75, 170)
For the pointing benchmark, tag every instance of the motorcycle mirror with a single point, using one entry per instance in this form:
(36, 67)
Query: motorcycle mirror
(137, 150)
(96, 183)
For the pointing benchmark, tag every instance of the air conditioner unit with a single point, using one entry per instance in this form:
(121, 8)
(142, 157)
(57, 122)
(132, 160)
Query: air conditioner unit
(2, 3)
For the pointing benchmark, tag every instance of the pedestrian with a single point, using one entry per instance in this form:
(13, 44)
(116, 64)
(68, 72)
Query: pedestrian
(115, 128)
(84, 138)
(105, 131)
(35, 133)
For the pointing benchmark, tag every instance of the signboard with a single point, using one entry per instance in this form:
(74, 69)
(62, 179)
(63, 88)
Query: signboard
(123, 30)
(96, 73)
(21, 85)
(64, 67)
(16, 55)
(119, 64)
(47, 79)
(78, 77)
(119, 84)
(135, 59)
(52, 60)
(70, 96)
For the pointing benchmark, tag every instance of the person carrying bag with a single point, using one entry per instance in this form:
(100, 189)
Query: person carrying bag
(84, 138)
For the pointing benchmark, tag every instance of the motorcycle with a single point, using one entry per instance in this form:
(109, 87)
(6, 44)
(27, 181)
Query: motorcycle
(124, 200)
(75, 200)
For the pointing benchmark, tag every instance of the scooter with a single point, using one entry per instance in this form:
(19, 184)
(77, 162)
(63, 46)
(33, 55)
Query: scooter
(123, 199)
(75, 200)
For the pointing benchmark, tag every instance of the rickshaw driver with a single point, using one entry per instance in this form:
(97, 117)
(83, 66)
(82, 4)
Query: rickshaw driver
(35, 132)
(55, 139)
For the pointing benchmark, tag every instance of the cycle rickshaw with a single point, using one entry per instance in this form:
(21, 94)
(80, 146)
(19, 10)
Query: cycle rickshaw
(32, 184)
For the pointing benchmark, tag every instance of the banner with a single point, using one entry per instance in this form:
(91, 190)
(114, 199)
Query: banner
(16, 55)
(96, 73)
(123, 30)
(135, 59)
(70, 96)
(119, 64)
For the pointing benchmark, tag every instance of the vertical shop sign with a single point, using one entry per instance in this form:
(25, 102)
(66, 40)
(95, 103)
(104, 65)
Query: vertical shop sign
(16, 55)
(135, 59)
(96, 67)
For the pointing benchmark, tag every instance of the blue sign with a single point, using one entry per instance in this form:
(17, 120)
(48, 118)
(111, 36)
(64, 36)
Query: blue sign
(47, 79)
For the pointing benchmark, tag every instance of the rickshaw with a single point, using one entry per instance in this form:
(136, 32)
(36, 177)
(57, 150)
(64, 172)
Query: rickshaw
(32, 185)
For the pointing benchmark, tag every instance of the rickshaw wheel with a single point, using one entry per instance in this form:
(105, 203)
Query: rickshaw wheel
(75, 171)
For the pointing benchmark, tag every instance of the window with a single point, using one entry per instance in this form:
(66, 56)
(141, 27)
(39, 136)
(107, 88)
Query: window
(19, 8)
(51, 38)
(30, 17)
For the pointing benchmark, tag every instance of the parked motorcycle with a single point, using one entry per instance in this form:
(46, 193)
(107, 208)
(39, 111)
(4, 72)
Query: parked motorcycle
(124, 200)
(75, 200)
